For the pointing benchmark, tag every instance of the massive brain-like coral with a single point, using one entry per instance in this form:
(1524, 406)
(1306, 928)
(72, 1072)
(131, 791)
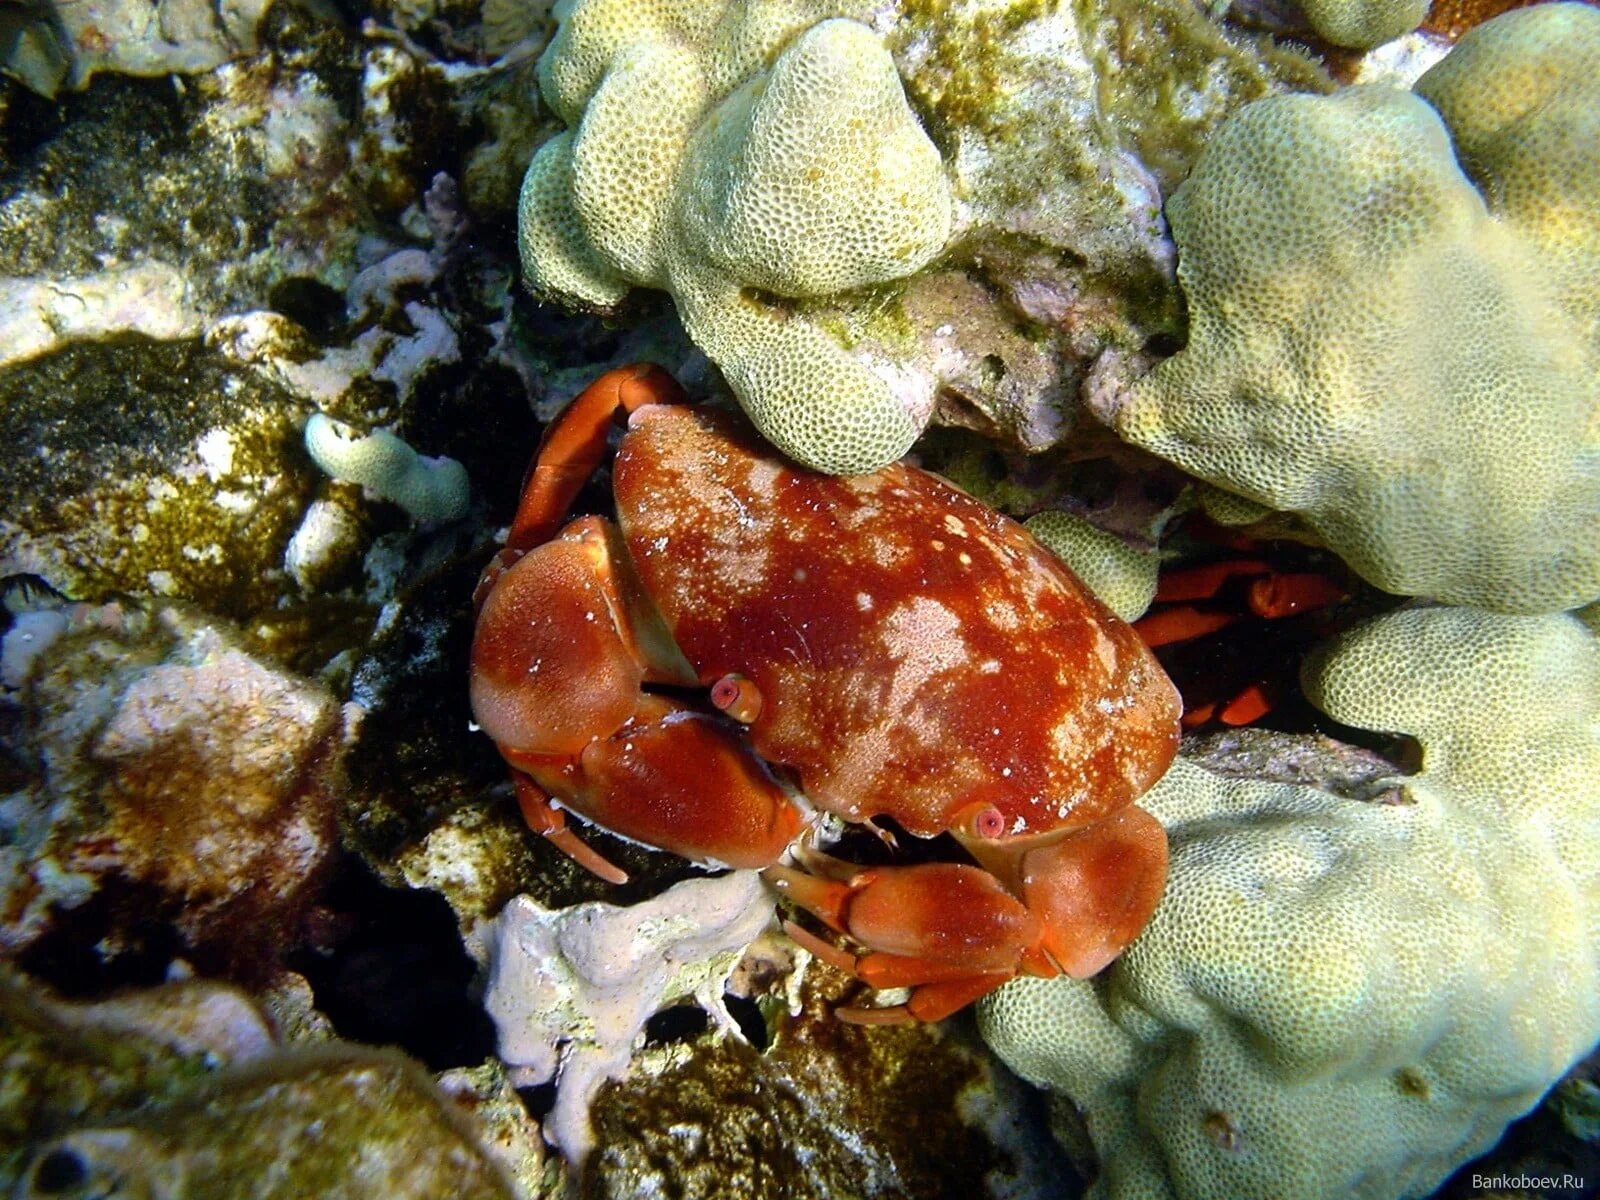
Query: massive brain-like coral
(691, 169)
(1350, 997)
(1400, 347)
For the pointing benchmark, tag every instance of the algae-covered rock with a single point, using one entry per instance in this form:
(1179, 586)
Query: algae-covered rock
(182, 1093)
(854, 205)
(1401, 349)
(71, 1063)
(1350, 997)
(828, 1110)
(54, 43)
(344, 1124)
(156, 753)
(155, 468)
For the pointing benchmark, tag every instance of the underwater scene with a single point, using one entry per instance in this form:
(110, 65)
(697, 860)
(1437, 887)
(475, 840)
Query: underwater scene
(799, 599)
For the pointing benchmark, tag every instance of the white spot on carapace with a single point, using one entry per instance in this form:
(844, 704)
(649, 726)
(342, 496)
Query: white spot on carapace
(1006, 771)
(964, 559)
(863, 602)
(955, 524)
(937, 544)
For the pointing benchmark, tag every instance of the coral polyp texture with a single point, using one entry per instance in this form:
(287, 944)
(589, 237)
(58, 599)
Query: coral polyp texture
(1361, 24)
(1346, 997)
(745, 160)
(1400, 347)
(857, 207)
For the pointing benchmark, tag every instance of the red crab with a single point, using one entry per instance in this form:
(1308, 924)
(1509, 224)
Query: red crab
(878, 646)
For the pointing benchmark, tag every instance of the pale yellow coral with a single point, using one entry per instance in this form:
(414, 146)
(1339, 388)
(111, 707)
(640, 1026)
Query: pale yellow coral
(1341, 998)
(1408, 363)
(1121, 575)
(744, 158)
(1362, 24)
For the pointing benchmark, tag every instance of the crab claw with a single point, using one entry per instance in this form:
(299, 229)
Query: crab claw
(1096, 888)
(949, 931)
(954, 932)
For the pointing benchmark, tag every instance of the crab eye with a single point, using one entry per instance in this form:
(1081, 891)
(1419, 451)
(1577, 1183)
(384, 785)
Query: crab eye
(989, 822)
(738, 697)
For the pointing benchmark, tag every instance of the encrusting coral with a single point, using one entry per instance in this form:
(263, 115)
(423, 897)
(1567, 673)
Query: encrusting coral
(808, 178)
(570, 990)
(1403, 350)
(1349, 998)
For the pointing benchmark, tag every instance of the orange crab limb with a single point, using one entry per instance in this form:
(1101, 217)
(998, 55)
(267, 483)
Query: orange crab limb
(1251, 704)
(1179, 625)
(1205, 581)
(1284, 595)
(550, 822)
(574, 444)
(1095, 889)
(948, 930)
(931, 1002)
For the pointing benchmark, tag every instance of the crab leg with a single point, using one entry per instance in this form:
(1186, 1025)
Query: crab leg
(939, 989)
(545, 819)
(574, 443)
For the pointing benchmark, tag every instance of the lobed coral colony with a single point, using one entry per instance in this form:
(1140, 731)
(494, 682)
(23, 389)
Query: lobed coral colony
(1392, 348)
(1304, 280)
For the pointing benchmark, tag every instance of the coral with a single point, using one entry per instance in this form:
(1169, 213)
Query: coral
(1121, 575)
(1367, 316)
(67, 43)
(160, 754)
(1350, 997)
(431, 490)
(848, 222)
(810, 179)
(182, 1090)
(570, 990)
(1362, 24)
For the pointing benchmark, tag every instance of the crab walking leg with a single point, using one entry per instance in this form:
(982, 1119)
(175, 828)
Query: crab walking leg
(545, 819)
(574, 444)
(948, 930)
(938, 988)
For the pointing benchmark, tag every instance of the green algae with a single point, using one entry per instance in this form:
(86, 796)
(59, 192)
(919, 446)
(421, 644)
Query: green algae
(152, 467)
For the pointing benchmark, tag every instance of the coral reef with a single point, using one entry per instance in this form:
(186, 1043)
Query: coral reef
(181, 1091)
(1361, 24)
(1366, 313)
(810, 179)
(1122, 575)
(570, 990)
(160, 755)
(431, 489)
(1350, 997)
(831, 203)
